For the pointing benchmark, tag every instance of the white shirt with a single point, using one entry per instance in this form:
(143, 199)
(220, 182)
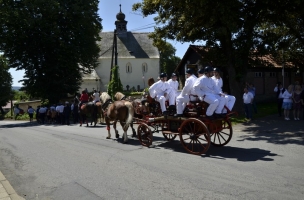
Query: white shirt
(188, 88)
(96, 96)
(159, 88)
(42, 110)
(30, 110)
(60, 108)
(203, 86)
(247, 97)
(287, 97)
(173, 84)
(16, 110)
(280, 94)
(218, 84)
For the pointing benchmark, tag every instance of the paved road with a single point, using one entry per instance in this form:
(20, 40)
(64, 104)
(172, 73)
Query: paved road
(264, 160)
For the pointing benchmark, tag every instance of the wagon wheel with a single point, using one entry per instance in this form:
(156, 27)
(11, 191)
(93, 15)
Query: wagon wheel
(165, 127)
(194, 136)
(222, 137)
(144, 134)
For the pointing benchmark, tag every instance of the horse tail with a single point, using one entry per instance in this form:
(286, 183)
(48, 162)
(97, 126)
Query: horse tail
(130, 114)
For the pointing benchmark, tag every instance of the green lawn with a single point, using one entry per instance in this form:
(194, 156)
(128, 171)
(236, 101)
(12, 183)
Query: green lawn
(264, 109)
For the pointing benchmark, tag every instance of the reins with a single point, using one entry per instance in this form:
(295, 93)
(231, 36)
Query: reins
(106, 104)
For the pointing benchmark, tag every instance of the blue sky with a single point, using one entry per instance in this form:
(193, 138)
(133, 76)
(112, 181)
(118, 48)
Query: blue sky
(136, 23)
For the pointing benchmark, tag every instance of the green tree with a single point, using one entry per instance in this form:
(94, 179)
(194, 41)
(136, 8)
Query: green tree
(168, 60)
(231, 30)
(115, 83)
(53, 41)
(5, 83)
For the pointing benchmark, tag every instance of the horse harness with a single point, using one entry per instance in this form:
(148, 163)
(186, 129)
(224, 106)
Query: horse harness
(105, 106)
(123, 98)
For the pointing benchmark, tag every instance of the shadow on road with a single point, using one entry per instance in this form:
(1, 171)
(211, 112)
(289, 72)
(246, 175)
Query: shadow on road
(240, 154)
(275, 130)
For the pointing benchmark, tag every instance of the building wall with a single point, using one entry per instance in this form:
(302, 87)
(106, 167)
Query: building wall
(133, 78)
(90, 85)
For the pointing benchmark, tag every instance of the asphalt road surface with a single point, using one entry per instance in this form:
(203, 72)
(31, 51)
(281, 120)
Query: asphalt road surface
(264, 160)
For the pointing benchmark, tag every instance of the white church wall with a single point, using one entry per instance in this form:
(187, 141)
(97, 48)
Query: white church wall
(132, 78)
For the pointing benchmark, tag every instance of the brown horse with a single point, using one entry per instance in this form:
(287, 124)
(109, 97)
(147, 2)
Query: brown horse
(117, 110)
(119, 97)
(89, 109)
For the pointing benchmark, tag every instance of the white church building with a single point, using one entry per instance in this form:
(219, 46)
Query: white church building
(137, 58)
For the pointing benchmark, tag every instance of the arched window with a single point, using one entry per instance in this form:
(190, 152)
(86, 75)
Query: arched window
(129, 68)
(144, 67)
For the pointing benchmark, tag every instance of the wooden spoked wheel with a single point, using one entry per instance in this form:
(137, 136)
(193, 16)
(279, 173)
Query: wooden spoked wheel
(144, 134)
(194, 136)
(222, 137)
(167, 136)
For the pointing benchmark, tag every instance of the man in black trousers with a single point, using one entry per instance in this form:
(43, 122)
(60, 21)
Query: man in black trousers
(279, 91)
(67, 112)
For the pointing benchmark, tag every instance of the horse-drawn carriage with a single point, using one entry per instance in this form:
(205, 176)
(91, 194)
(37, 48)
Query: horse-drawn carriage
(195, 131)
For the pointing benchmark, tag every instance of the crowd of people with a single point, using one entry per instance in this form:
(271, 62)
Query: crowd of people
(290, 99)
(61, 113)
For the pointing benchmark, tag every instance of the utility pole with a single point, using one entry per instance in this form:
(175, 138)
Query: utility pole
(114, 53)
(283, 70)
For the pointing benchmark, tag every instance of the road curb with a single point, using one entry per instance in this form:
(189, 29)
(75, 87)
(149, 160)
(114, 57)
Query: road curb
(7, 192)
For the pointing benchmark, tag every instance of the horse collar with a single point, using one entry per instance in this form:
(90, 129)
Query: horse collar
(123, 98)
(106, 104)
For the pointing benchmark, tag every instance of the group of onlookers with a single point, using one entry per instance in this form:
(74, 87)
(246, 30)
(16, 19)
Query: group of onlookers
(55, 114)
(289, 99)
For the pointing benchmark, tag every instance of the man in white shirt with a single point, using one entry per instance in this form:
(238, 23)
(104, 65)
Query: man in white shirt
(247, 99)
(183, 98)
(279, 90)
(42, 112)
(218, 82)
(162, 91)
(204, 89)
(96, 97)
(174, 83)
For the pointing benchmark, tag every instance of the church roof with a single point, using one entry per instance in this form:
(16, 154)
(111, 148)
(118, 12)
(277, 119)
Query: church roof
(133, 45)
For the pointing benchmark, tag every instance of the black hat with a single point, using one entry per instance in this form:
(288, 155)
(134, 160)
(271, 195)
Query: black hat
(216, 69)
(173, 74)
(189, 71)
(200, 71)
(162, 75)
(208, 69)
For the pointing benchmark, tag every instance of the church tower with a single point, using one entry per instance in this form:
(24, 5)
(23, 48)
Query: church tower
(121, 24)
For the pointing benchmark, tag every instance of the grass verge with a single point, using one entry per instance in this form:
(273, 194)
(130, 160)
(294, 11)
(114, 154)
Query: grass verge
(264, 109)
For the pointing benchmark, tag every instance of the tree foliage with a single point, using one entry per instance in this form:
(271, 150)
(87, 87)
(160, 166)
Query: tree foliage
(5, 82)
(115, 83)
(168, 60)
(53, 41)
(234, 31)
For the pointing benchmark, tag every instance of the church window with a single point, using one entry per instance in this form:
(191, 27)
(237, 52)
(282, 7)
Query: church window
(129, 68)
(144, 67)
(258, 74)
